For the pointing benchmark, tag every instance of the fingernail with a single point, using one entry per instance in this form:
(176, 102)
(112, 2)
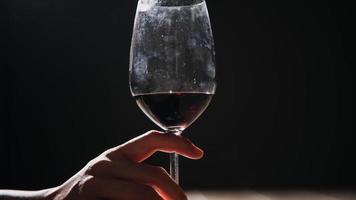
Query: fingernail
(198, 151)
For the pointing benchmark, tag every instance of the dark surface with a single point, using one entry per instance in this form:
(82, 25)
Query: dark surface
(283, 115)
(271, 195)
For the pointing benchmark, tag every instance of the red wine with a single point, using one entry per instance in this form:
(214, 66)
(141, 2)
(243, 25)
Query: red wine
(173, 110)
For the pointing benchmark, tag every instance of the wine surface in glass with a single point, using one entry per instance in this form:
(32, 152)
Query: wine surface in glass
(173, 111)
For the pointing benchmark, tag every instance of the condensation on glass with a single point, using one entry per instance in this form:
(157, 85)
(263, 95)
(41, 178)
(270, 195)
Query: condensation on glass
(172, 48)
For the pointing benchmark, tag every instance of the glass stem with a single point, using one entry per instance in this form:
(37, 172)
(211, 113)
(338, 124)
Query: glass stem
(174, 159)
(174, 167)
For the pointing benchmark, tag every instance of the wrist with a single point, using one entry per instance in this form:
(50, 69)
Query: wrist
(26, 195)
(66, 191)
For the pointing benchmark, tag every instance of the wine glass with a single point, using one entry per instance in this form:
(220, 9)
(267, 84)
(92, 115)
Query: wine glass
(172, 64)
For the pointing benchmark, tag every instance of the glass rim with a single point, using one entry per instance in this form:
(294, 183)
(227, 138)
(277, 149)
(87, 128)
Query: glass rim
(171, 3)
(173, 92)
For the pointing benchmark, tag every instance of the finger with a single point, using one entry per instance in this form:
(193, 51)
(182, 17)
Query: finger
(124, 190)
(142, 147)
(156, 177)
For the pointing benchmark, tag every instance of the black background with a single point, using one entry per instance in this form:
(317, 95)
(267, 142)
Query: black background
(283, 116)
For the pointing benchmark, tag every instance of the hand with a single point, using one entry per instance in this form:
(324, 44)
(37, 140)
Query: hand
(119, 174)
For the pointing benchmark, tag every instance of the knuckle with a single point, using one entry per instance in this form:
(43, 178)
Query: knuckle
(87, 184)
(114, 153)
(97, 165)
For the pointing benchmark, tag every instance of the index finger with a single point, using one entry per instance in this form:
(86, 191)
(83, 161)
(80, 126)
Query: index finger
(142, 147)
